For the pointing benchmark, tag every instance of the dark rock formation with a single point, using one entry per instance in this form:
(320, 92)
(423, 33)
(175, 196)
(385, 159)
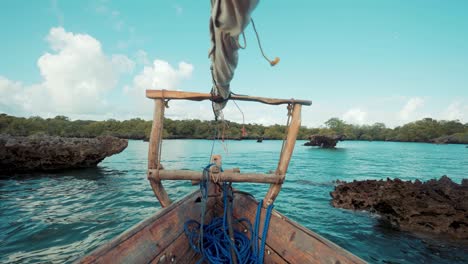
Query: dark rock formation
(436, 206)
(324, 141)
(44, 153)
(459, 138)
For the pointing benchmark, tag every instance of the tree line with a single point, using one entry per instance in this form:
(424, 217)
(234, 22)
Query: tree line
(424, 130)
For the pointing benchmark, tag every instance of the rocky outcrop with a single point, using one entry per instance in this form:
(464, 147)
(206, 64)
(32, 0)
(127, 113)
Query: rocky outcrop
(436, 206)
(459, 138)
(44, 153)
(323, 141)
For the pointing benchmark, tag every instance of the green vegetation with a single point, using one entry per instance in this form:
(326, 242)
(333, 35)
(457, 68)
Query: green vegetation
(425, 130)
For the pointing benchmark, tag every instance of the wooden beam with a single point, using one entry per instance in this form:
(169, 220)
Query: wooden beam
(153, 152)
(285, 154)
(233, 170)
(177, 95)
(229, 176)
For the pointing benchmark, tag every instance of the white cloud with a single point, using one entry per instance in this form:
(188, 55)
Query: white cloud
(10, 93)
(408, 111)
(456, 110)
(355, 116)
(77, 76)
(159, 75)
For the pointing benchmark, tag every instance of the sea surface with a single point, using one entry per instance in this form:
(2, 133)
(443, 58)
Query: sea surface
(59, 217)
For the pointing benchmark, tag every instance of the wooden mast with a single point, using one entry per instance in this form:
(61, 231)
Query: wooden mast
(285, 155)
(155, 143)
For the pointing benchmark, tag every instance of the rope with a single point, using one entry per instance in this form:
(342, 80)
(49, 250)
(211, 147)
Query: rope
(265, 232)
(244, 133)
(213, 241)
(272, 62)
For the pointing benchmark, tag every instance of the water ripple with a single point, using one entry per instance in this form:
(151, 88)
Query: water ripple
(58, 217)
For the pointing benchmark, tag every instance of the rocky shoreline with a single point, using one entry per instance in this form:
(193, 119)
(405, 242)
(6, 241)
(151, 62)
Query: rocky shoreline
(48, 153)
(438, 207)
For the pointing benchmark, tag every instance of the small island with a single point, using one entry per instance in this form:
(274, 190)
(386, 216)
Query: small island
(324, 141)
(47, 153)
(437, 207)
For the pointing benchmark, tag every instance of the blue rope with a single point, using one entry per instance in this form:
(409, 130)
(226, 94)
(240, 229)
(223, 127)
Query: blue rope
(265, 232)
(212, 240)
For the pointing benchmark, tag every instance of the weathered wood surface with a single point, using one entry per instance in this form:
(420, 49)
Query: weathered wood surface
(160, 238)
(177, 252)
(177, 95)
(293, 242)
(286, 154)
(233, 170)
(152, 237)
(153, 152)
(230, 176)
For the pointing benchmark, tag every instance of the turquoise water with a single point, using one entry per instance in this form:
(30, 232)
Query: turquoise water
(58, 217)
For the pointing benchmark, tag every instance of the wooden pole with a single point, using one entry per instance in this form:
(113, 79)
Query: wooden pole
(226, 176)
(178, 95)
(285, 154)
(153, 153)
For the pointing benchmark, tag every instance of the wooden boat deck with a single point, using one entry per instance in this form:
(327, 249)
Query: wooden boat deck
(161, 238)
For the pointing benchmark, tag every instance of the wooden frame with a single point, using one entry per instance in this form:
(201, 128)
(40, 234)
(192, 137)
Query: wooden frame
(161, 238)
(155, 170)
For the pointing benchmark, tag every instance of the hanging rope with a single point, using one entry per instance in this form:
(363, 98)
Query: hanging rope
(244, 132)
(272, 62)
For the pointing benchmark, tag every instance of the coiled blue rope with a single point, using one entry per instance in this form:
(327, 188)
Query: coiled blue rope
(212, 240)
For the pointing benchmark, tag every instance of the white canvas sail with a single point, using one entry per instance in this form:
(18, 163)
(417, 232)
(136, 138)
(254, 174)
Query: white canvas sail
(228, 20)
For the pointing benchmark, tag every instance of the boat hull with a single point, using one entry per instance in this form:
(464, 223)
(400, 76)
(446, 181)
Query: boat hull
(161, 238)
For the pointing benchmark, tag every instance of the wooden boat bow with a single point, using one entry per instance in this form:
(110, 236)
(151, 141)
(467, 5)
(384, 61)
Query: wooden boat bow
(161, 238)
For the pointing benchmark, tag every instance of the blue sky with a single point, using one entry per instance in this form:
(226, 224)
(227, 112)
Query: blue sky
(364, 61)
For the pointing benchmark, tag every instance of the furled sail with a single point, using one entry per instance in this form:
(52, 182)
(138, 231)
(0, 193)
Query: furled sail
(228, 20)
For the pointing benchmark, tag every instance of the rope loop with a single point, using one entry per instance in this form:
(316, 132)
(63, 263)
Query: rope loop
(213, 241)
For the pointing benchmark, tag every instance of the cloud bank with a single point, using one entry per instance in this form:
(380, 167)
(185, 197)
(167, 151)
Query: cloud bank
(80, 80)
(78, 77)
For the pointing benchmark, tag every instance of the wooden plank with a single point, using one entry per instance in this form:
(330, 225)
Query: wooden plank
(176, 252)
(179, 250)
(192, 96)
(229, 176)
(286, 154)
(153, 152)
(294, 243)
(146, 240)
